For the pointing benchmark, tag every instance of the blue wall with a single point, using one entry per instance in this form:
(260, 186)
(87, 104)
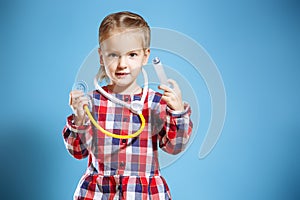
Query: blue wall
(255, 45)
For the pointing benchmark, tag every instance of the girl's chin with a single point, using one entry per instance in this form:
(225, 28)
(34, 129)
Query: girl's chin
(122, 84)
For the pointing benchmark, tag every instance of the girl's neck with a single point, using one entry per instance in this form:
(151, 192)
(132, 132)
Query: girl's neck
(132, 89)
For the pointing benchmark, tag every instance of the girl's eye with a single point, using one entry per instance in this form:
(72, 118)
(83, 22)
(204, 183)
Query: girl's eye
(113, 55)
(133, 54)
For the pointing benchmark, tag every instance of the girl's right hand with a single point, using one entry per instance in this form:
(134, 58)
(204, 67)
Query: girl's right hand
(77, 100)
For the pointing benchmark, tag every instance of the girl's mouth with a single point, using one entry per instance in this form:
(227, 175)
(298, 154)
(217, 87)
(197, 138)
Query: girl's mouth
(121, 75)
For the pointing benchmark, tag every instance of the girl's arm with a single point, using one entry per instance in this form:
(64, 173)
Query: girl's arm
(175, 115)
(77, 134)
(77, 139)
(176, 129)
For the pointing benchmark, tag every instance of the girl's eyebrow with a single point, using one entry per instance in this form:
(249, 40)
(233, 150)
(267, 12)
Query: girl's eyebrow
(135, 50)
(118, 52)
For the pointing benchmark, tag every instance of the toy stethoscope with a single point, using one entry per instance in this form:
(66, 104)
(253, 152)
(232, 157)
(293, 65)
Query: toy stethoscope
(136, 106)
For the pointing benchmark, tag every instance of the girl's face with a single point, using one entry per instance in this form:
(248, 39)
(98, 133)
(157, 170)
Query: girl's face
(123, 56)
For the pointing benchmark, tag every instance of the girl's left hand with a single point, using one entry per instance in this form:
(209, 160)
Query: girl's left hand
(172, 96)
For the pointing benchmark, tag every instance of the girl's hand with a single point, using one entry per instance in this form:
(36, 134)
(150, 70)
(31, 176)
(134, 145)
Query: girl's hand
(77, 101)
(172, 96)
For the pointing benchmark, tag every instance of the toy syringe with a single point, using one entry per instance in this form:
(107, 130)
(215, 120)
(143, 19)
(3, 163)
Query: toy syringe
(159, 69)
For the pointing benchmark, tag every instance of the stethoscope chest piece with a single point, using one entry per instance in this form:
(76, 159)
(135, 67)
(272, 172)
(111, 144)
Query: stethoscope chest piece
(136, 106)
(81, 85)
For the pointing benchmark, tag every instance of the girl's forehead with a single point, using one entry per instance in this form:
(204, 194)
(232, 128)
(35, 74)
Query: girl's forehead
(125, 41)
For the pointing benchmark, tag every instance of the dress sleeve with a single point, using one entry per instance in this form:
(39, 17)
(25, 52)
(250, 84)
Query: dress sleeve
(176, 128)
(77, 139)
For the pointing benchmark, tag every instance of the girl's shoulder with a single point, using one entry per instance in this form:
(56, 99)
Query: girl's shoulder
(153, 95)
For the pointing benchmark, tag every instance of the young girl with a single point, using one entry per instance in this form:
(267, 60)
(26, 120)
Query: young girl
(125, 168)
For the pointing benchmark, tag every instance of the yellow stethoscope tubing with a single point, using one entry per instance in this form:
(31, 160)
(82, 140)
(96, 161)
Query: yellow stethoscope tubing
(137, 133)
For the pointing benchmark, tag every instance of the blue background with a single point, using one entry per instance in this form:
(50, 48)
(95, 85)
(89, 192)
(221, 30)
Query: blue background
(255, 45)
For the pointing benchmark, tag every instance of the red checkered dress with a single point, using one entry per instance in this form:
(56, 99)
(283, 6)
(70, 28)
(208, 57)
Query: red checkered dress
(126, 168)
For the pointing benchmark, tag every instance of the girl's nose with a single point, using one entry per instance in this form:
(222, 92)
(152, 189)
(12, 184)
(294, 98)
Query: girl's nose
(122, 62)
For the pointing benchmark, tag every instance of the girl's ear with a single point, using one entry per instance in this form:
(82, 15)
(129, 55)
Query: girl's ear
(100, 56)
(146, 56)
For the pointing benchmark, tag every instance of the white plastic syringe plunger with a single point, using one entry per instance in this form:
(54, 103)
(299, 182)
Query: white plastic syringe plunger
(159, 69)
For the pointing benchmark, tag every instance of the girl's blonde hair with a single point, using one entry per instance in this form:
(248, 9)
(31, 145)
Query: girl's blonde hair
(122, 21)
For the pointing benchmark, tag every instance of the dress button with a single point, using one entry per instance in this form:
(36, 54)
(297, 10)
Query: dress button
(122, 164)
(126, 99)
(125, 119)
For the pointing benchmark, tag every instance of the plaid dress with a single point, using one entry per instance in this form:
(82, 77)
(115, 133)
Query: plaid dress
(126, 168)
